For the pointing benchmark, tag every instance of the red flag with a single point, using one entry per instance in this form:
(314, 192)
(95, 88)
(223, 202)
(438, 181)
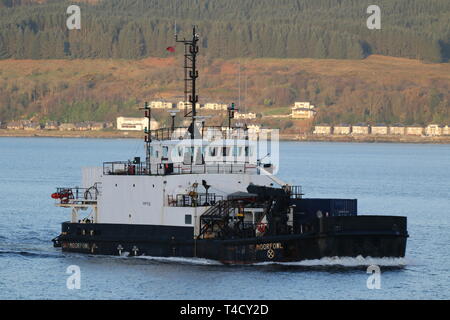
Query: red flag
(170, 49)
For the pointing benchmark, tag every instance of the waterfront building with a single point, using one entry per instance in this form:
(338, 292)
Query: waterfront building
(215, 106)
(82, 126)
(135, 124)
(32, 126)
(379, 129)
(96, 126)
(66, 127)
(360, 129)
(183, 105)
(248, 116)
(323, 129)
(14, 125)
(161, 105)
(302, 110)
(446, 130)
(51, 125)
(434, 130)
(342, 129)
(397, 129)
(414, 130)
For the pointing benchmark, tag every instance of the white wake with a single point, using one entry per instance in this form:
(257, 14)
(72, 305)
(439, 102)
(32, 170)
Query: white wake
(358, 261)
(350, 262)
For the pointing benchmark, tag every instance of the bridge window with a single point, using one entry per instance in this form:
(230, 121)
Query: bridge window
(248, 151)
(225, 151)
(152, 151)
(188, 219)
(212, 151)
(237, 151)
(165, 151)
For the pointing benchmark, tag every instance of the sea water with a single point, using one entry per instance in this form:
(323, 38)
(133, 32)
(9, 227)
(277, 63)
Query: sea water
(411, 180)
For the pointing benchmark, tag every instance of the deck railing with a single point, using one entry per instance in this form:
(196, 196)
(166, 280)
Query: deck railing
(133, 169)
(210, 132)
(76, 195)
(194, 200)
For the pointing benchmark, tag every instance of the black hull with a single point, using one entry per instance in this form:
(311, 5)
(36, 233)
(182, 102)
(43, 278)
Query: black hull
(387, 239)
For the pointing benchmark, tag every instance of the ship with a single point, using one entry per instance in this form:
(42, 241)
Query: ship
(207, 192)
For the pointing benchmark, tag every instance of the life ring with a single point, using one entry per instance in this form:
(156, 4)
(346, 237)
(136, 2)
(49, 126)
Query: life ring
(261, 227)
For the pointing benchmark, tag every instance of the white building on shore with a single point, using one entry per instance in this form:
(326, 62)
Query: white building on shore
(135, 124)
(397, 129)
(360, 129)
(161, 105)
(414, 130)
(182, 105)
(342, 129)
(323, 129)
(302, 110)
(434, 130)
(216, 106)
(247, 116)
(379, 129)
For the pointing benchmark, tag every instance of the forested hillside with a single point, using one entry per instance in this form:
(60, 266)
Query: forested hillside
(133, 29)
(288, 50)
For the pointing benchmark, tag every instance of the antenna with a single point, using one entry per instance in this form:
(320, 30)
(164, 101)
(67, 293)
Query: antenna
(231, 110)
(239, 83)
(190, 76)
(148, 134)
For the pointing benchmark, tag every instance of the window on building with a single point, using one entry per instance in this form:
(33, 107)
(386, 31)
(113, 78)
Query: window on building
(188, 219)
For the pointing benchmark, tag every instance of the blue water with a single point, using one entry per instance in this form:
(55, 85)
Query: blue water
(391, 179)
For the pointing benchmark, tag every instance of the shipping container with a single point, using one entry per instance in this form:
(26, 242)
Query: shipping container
(307, 209)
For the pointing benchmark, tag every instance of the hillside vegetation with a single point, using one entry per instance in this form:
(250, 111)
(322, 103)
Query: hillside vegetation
(374, 90)
(134, 29)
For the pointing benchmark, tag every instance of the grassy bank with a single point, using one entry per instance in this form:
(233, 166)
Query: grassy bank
(284, 137)
(374, 90)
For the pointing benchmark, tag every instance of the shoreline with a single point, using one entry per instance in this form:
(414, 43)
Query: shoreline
(366, 138)
(283, 137)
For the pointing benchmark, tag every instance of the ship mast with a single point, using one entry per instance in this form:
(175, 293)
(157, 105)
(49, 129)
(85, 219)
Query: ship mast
(190, 76)
(148, 135)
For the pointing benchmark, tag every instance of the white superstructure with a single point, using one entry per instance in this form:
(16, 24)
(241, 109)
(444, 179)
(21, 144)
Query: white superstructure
(168, 189)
